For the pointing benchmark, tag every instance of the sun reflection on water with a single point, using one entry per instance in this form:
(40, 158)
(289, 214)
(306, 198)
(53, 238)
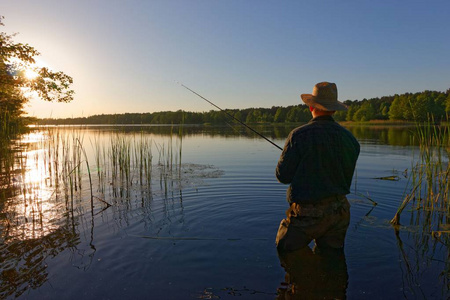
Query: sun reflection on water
(34, 210)
(35, 218)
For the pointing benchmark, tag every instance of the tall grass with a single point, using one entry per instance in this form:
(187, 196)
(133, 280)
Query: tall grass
(428, 201)
(124, 163)
(429, 195)
(127, 161)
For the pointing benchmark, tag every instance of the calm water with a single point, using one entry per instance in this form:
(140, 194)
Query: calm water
(206, 229)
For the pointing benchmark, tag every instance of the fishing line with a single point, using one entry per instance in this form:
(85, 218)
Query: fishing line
(231, 116)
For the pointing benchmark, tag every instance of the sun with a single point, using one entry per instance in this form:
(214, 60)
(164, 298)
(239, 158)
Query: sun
(31, 74)
(27, 70)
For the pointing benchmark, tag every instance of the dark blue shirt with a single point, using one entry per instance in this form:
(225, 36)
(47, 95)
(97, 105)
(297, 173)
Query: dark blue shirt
(318, 161)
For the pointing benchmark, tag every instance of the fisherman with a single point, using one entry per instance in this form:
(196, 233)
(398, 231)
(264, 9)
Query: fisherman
(318, 161)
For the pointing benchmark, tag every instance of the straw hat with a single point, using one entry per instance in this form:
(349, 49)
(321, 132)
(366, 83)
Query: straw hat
(324, 97)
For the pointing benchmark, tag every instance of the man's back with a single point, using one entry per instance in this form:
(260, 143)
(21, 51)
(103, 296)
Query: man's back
(318, 161)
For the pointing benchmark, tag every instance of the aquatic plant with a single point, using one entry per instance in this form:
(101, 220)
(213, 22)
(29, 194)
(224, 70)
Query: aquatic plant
(429, 195)
(62, 166)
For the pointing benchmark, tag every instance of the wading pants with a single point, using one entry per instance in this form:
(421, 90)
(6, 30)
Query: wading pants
(325, 222)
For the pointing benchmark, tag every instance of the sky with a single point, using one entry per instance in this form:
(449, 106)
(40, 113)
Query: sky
(130, 56)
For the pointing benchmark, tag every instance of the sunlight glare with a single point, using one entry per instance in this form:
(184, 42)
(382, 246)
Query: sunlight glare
(31, 74)
(34, 211)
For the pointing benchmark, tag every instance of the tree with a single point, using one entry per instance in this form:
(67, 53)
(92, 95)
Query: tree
(350, 112)
(254, 116)
(298, 114)
(439, 107)
(384, 111)
(364, 113)
(397, 108)
(280, 115)
(421, 107)
(16, 61)
(340, 115)
(267, 117)
(447, 104)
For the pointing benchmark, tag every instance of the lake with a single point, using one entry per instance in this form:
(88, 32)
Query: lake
(198, 220)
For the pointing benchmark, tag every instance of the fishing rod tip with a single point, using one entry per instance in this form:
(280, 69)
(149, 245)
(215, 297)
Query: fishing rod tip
(179, 83)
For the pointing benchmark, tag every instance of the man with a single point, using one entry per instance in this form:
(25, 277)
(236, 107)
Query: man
(318, 162)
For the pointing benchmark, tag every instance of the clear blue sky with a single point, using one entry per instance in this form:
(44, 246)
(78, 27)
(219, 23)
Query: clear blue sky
(126, 56)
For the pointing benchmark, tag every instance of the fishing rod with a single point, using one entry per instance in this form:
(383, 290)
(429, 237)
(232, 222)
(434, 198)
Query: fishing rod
(231, 116)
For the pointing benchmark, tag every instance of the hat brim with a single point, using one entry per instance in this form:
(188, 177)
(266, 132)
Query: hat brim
(310, 100)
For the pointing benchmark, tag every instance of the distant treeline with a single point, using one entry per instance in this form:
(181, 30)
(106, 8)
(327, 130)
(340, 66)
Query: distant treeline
(406, 107)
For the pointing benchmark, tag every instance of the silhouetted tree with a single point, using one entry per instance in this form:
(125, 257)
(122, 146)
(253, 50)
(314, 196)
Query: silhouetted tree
(16, 61)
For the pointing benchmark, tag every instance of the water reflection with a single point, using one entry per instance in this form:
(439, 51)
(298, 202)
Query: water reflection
(43, 216)
(314, 274)
(23, 263)
(32, 210)
(32, 224)
(379, 134)
(418, 250)
(49, 204)
(387, 135)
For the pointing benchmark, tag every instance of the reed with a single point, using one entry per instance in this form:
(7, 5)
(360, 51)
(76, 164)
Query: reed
(131, 160)
(100, 161)
(89, 172)
(180, 146)
(124, 163)
(7, 157)
(120, 157)
(429, 179)
(143, 158)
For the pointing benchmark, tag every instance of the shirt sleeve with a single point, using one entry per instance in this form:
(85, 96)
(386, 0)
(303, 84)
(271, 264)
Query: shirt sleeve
(288, 162)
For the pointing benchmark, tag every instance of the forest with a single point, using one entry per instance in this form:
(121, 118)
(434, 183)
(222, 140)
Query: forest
(405, 107)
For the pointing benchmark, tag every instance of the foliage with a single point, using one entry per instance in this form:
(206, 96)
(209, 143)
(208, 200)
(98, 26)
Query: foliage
(405, 107)
(420, 106)
(16, 59)
(447, 102)
(365, 112)
(280, 115)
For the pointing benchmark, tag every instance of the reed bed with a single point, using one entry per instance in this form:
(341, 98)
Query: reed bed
(7, 160)
(429, 187)
(427, 199)
(68, 169)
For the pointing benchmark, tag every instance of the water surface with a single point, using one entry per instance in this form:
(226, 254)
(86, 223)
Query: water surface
(204, 227)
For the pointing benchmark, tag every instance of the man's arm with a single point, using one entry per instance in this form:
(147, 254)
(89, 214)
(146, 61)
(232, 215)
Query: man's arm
(288, 162)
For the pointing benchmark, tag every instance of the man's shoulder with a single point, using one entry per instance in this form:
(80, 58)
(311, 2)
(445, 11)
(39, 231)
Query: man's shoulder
(302, 129)
(313, 125)
(319, 127)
